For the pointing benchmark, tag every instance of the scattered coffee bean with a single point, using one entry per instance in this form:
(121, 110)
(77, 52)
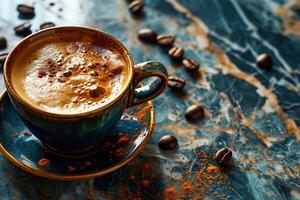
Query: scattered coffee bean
(165, 40)
(223, 155)
(46, 25)
(264, 61)
(190, 64)
(136, 7)
(175, 82)
(42, 73)
(194, 112)
(176, 52)
(168, 142)
(67, 73)
(3, 57)
(94, 73)
(51, 4)
(147, 35)
(25, 11)
(95, 91)
(23, 29)
(3, 42)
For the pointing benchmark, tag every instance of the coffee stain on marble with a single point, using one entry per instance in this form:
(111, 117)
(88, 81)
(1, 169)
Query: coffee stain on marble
(228, 67)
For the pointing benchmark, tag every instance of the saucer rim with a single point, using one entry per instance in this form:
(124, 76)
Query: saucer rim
(64, 177)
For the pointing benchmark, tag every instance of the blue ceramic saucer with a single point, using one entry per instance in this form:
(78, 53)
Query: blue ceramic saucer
(26, 152)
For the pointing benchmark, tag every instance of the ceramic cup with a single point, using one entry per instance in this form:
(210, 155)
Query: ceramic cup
(82, 132)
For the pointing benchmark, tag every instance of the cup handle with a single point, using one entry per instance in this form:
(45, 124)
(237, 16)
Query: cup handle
(151, 90)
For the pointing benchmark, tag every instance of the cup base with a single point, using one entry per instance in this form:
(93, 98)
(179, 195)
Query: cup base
(73, 154)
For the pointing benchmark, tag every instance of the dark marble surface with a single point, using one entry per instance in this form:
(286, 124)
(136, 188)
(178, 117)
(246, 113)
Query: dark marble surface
(253, 111)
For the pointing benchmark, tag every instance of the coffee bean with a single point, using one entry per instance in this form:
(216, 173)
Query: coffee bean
(223, 155)
(264, 61)
(190, 64)
(3, 57)
(46, 25)
(147, 35)
(194, 112)
(25, 11)
(23, 29)
(3, 43)
(165, 40)
(136, 7)
(95, 91)
(176, 52)
(67, 73)
(51, 4)
(175, 82)
(168, 142)
(94, 73)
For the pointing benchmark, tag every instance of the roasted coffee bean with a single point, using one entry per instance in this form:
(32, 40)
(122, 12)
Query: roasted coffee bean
(165, 40)
(46, 25)
(67, 73)
(264, 61)
(168, 142)
(3, 42)
(147, 35)
(223, 155)
(3, 57)
(25, 11)
(194, 112)
(23, 29)
(94, 73)
(190, 64)
(136, 7)
(95, 91)
(176, 52)
(175, 82)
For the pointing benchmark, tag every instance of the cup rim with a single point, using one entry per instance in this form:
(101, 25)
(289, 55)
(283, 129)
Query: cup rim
(37, 109)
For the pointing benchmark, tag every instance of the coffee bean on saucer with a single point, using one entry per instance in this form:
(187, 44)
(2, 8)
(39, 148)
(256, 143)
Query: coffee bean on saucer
(3, 42)
(94, 73)
(147, 35)
(223, 155)
(190, 64)
(95, 91)
(23, 29)
(168, 142)
(3, 57)
(46, 25)
(165, 40)
(194, 112)
(67, 73)
(175, 82)
(264, 61)
(176, 52)
(25, 11)
(136, 7)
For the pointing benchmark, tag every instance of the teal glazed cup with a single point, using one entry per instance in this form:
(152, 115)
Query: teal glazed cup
(83, 132)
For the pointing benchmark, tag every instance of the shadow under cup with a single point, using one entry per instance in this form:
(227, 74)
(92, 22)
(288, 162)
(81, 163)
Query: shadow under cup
(82, 132)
